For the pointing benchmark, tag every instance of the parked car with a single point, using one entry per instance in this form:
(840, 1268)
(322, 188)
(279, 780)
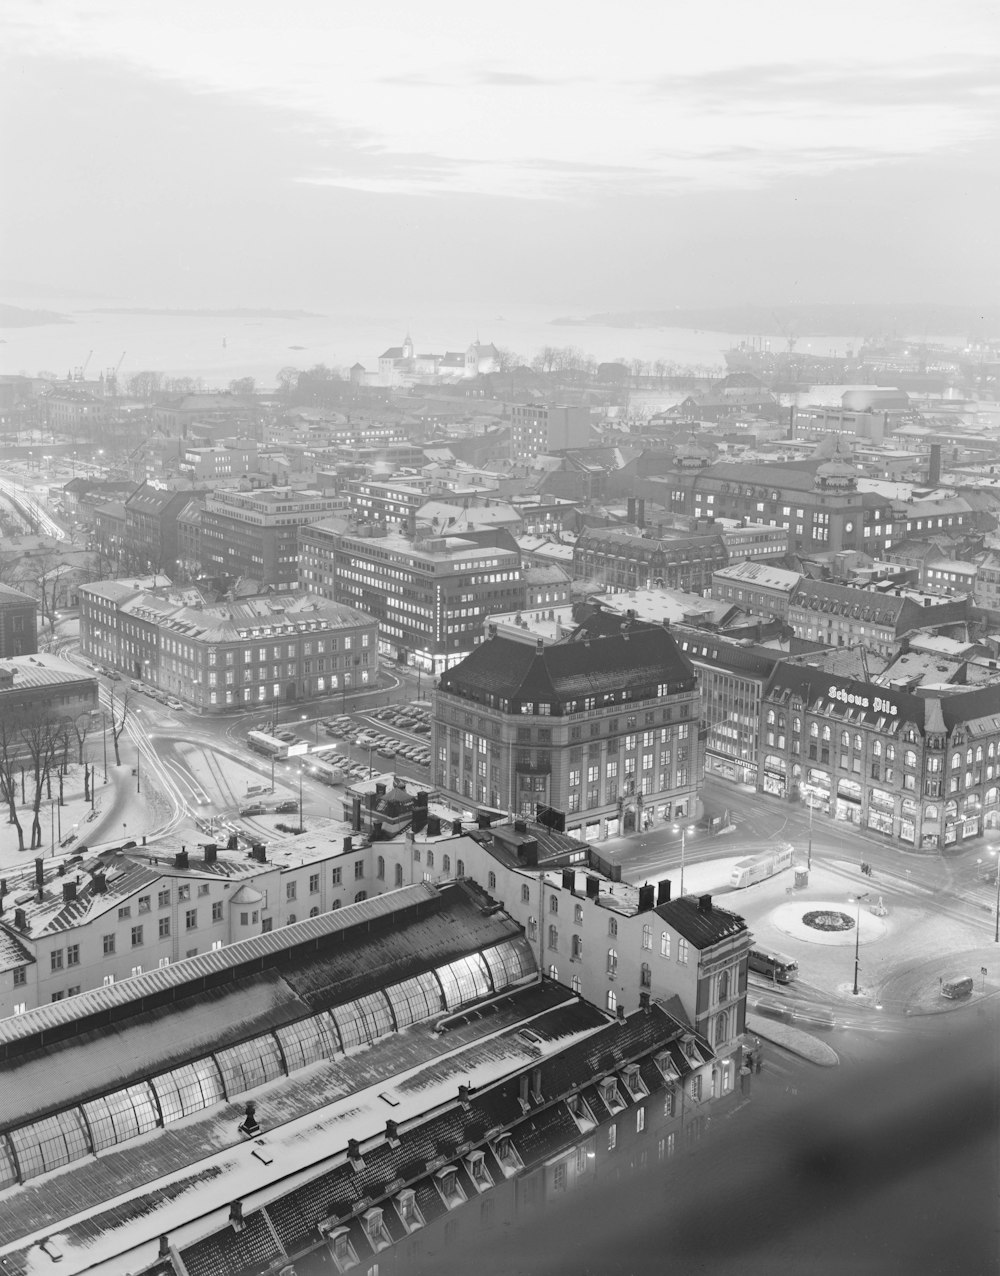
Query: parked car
(173, 703)
(288, 807)
(255, 809)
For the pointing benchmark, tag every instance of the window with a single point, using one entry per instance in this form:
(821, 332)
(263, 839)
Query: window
(217, 911)
(145, 903)
(612, 1136)
(136, 936)
(448, 1186)
(612, 926)
(314, 883)
(183, 893)
(376, 1232)
(20, 975)
(665, 943)
(56, 958)
(682, 951)
(577, 948)
(612, 1000)
(553, 936)
(290, 891)
(124, 912)
(645, 976)
(409, 1211)
(359, 870)
(163, 928)
(109, 945)
(163, 899)
(640, 1120)
(191, 919)
(647, 936)
(612, 961)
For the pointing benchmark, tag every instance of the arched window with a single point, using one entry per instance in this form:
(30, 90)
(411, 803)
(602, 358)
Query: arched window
(858, 743)
(446, 864)
(890, 753)
(291, 919)
(578, 914)
(577, 947)
(813, 731)
(399, 875)
(845, 739)
(968, 757)
(796, 725)
(314, 912)
(647, 936)
(612, 1002)
(956, 760)
(770, 717)
(876, 748)
(979, 753)
(665, 943)
(460, 868)
(577, 985)
(553, 972)
(645, 976)
(909, 758)
(722, 1027)
(826, 734)
(360, 896)
(724, 985)
(380, 870)
(430, 859)
(991, 797)
(491, 881)
(612, 962)
(553, 936)
(525, 892)
(554, 904)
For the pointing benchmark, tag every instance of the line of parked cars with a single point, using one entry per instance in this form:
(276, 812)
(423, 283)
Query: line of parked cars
(154, 693)
(329, 755)
(405, 717)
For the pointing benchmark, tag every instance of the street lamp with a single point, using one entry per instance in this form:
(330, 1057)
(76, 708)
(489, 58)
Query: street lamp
(996, 856)
(857, 939)
(301, 812)
(809, 852)
(684, 832)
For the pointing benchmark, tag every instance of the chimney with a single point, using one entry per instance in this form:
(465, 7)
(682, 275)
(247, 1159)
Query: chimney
(934, 468)
(379, 789)
(663, 891)
(181, 858)
(20, 919)
(354, 1154)
(456, 828)
(528, 852)
(483, 820)
(640, 511)
(593, 887)
(569, 879)
(411, 524)
(259, 853)
(212, 853)
(232, 844)
(98, 883)
(392, 1133)
(348, 845)
(433, 826)
(520, 826)
(236, 1216)
(631, 515)
(39, 873)
(464, 1092)
(645, 898)
(356, 813)
(704, 903)
(621, 1014)
(164, 1247)
(69, 892)
(644, 1002)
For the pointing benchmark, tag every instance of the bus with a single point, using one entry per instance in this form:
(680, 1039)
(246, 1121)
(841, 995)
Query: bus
(326, 772)
(755, 868)
(271, 747)
(775, 966)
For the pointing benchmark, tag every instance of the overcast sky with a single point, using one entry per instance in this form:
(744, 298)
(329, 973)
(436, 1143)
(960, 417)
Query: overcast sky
(576, 154)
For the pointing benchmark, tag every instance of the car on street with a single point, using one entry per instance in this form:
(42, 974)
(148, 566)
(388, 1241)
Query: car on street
(173, 703)
(255, 809)
(288, 807)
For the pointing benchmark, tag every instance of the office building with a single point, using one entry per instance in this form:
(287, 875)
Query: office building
(542, 427)
(255, 534)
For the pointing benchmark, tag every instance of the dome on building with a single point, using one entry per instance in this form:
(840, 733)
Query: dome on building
(836, 476)
(246, 895)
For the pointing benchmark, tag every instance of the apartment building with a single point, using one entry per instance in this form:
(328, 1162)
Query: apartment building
(545, 427)
(602, 728)
(759, 589)
(876, 618)
(149, 541)
(625, 560)
(18, 623)
(262, 650)
(430, 594)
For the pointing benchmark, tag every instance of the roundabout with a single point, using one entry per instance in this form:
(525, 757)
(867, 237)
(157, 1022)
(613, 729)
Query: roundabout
(827, 922)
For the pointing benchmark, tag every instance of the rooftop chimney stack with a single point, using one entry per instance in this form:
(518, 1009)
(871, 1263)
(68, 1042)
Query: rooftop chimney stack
(704, 903)
(39, 873)
(646, 893)
(663, 891)
(212, 853)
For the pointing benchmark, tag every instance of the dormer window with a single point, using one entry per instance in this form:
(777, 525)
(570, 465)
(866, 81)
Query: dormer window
(409, 1211)
(475, 1163)
(506, 1153)
(666, 1065)
(375, 1230)
(449, 1188)
(581, 1113)
(341, 1249)
(633, 1080)
(613, 1101)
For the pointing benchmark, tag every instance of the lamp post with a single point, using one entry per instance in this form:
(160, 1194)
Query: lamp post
(683, 831)
(857, 940)
(104, 727)
(809, 851)
(996, 856)
(301, 812)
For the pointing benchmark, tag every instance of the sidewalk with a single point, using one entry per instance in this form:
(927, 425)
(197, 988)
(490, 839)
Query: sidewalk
(804, 1044)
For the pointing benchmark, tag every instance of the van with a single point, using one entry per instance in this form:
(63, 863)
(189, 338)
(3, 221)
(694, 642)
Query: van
(957, 988)
(774, 966)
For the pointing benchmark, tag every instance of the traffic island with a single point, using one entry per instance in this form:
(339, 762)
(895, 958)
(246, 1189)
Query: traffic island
(794, 1040)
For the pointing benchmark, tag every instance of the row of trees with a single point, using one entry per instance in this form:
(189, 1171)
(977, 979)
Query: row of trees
(35, 748)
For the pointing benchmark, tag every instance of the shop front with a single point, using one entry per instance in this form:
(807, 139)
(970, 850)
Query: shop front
(848, 805)
(881, 811)
(774, 778)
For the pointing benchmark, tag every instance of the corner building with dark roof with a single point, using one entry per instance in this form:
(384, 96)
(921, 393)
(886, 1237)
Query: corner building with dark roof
(602, 726)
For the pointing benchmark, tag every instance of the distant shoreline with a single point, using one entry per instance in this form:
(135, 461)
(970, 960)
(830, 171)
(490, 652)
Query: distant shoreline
(18, 317)
(207, 314)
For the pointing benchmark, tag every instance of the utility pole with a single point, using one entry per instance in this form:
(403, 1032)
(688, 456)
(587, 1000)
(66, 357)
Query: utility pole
(138, 757)
(104, 724)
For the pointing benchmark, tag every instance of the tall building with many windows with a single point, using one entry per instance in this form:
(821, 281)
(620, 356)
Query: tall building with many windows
(603, 728)
(255, 534)
(430, 594)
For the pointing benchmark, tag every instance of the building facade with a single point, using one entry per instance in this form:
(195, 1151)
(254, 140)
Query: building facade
(756, 588)
(544, 427)
(626, 561)
(430, 594)
(255, 534)
(919, 768)
(603, 729)
(255, 651)
(18, 623)
(150, 537)
(845, 615)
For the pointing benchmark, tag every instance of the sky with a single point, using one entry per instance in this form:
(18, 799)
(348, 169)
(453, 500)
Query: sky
(580, 155)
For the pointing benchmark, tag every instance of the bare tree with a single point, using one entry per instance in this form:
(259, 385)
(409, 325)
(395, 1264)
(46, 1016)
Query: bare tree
(144, 385)
(81, 728)
(11, 758)
(288, 380)
(119, 716)
(508, 359)
(41, 736)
